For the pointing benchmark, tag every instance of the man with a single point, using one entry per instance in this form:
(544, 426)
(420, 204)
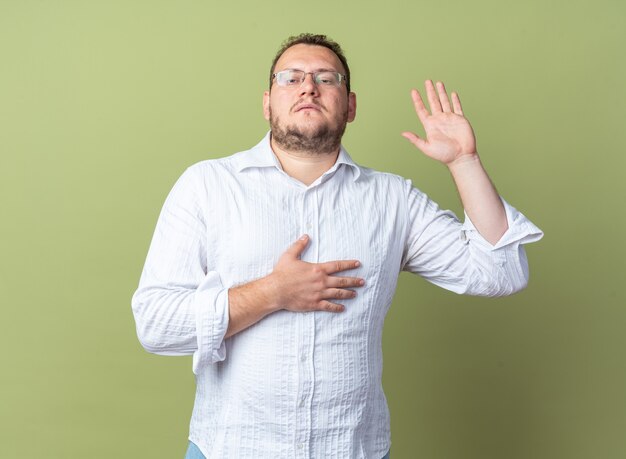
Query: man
(275, 267)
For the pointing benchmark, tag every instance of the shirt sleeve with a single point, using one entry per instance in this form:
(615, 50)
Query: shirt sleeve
(454, 255)
(180, 306)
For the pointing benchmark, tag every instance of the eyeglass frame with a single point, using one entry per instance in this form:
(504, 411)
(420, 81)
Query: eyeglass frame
(342, 78)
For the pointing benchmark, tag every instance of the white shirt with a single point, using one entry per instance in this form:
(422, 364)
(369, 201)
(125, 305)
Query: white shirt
(301, 385)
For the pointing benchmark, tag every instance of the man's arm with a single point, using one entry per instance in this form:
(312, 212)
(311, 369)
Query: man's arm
(439, 247)
(451, 141)
(181, 306)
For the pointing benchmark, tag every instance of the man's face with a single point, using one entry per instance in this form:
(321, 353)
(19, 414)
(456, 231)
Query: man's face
(308, 118)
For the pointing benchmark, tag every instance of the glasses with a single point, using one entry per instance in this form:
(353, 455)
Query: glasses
(295, 78)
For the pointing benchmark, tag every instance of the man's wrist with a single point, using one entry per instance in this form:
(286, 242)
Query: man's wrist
(465, 160)
(268, 291)
(257, 297)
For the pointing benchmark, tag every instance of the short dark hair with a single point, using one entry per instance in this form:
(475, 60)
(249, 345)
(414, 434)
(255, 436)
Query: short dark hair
(313, 40)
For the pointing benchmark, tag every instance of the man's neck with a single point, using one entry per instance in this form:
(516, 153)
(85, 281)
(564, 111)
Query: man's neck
(305, 167)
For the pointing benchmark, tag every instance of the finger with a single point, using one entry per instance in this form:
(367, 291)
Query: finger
(331, 267)
(456, 103)
(443, 97)
(338, 293)
(345, 282)
(418, 103)
(331, 307)
(433, 100)
(298, 247)
(415, 140)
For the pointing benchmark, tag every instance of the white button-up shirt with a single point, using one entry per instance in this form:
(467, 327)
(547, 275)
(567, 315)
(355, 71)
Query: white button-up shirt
(301, 385)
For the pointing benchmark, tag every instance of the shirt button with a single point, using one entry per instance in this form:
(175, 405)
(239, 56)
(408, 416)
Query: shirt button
(300, 445)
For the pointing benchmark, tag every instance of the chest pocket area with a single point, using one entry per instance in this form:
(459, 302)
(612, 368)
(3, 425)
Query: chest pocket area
(246, 241)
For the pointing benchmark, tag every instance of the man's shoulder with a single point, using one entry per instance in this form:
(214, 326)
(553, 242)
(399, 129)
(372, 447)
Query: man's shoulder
(381, 177)
(258, 155)
(220, 164)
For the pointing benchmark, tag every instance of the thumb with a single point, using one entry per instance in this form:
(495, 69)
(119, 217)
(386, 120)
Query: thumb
(416, 140)
(298, 247)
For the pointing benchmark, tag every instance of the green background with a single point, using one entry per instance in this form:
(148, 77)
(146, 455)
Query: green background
(104, 104)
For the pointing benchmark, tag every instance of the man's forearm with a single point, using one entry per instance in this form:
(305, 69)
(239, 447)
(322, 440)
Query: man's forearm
(479, 197)
(249, 303)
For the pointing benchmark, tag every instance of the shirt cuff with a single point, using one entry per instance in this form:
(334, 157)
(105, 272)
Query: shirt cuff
(520, 231)
(211, 308)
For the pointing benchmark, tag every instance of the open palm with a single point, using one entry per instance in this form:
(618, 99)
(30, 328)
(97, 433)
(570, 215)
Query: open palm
(449, 135)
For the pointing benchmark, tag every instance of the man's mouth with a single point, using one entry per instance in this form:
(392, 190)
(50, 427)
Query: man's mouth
(307, 107)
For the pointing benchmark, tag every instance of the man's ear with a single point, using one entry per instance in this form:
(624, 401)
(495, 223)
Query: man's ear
(351, 107)
(266, 105)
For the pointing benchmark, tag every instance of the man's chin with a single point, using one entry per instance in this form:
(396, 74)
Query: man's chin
(309, 129)
(320, 140)
(310, 134)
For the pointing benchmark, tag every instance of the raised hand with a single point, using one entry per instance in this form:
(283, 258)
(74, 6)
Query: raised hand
(449, 135)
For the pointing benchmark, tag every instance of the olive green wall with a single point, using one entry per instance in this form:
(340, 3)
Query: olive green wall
(104, 104)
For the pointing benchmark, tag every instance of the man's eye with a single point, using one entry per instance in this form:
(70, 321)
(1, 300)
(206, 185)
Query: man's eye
(292, 80)
(326, 78)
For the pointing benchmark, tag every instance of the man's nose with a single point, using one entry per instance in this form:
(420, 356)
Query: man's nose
(308, 86)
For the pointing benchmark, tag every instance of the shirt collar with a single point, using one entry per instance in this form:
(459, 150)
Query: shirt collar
(261, 155)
